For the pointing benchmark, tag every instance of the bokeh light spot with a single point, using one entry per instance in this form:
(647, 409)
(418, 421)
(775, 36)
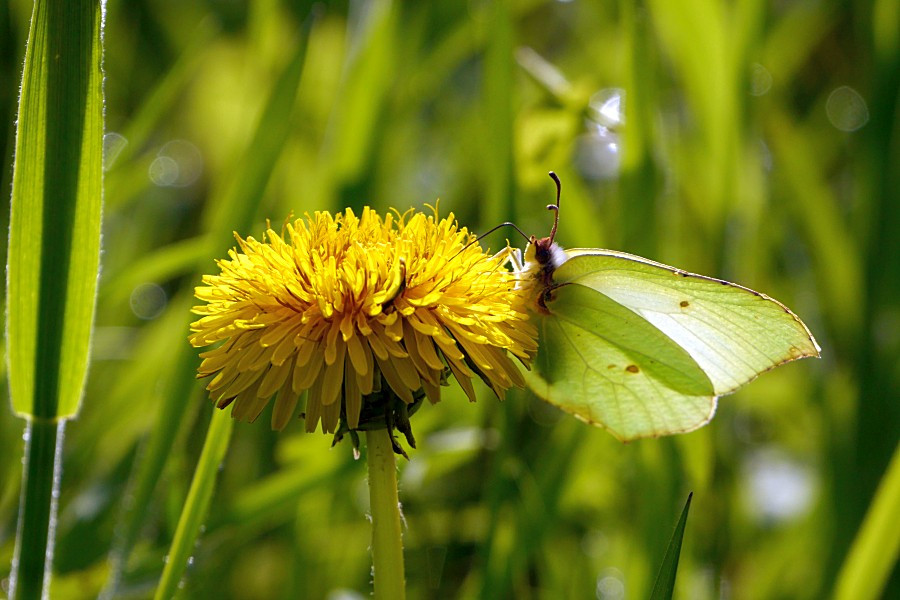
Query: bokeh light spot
(779, 487)
(610, 584)
(760, 80)
(148, 301)
(846, 109)
(163, 171)
(597, 154)
(113, 144)
(177, 164)
(607, 107)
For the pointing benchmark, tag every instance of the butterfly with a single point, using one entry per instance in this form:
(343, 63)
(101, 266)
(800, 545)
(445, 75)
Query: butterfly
(641, 348)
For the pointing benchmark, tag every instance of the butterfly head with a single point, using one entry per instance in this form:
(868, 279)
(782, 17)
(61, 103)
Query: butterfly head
(543, 255)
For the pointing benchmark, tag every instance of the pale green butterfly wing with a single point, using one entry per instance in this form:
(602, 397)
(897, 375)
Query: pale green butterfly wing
(733, 332)
(608, 366)
(644, 349)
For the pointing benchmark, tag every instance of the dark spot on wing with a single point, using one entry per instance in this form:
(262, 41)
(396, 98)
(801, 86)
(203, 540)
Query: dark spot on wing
(684, 304)
(632, 369)
(611, 366)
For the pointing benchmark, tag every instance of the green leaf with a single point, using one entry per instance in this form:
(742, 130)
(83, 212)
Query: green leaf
(665, 579)
(54, 240)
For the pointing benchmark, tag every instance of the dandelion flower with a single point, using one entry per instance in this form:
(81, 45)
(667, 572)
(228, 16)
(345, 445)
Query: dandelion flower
(343, 307)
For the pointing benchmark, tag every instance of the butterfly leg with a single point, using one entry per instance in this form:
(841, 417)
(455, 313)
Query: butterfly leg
(512, 256)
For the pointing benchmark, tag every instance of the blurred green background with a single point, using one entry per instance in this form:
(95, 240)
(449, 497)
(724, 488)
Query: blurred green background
(753, 141)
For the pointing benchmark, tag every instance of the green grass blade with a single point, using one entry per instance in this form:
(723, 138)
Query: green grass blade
(54, 238)
(874, 551)
(500, 204)
(665, 580)
(54, 253)
(197, 503)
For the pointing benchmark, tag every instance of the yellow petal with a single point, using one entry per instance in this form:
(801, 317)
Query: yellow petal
(432, 391)
(305, 350)
(285, 405)
(464, 382)
(427, 351)
(286, 346)
(377, 346)
(449, 348)
(394, 328)
(250, 355)
(276, 331)
(409, 338)
(352, 395)
(240, 383)
(331, 416)
(407, 372)
(248, 405)
(334, 377)
(305, 375)
(313, 404)
(357, 353)
(274, 378)
(332, 344)
(394, 380)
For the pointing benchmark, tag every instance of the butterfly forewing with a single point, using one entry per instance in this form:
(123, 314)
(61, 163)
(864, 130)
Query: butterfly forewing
(732, 332)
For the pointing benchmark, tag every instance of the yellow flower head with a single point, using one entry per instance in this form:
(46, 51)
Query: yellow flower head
(343, 307)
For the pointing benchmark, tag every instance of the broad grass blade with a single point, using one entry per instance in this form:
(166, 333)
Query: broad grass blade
(54, 241)
(54, 254)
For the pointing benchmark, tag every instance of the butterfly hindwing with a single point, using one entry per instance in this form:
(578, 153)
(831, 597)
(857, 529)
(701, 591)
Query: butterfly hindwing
(610, 367)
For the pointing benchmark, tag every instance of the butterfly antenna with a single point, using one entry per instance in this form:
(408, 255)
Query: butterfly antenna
(555, 207)
(489, 232)
(504, 224)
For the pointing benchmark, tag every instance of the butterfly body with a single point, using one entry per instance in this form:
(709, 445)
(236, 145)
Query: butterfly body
(541, 259)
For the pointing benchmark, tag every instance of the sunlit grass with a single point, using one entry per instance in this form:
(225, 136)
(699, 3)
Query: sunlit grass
(729, 163)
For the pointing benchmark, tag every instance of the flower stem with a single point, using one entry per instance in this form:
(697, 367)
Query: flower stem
(37, 519)
(387, 546)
